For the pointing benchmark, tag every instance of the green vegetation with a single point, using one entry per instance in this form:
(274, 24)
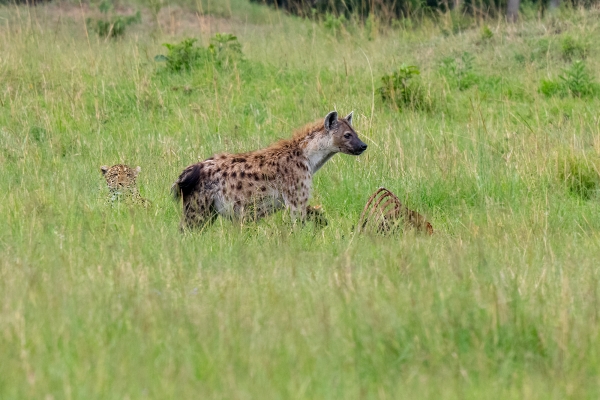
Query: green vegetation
(580, 174)
(111, 301)
(109, 25)
(486, 33)
(224, 51)
(458, 72)
(576, 81)
(402, 90)
(573, 49)
(183, 55)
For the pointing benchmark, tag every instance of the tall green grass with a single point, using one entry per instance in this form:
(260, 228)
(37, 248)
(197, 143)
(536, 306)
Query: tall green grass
(101, 301)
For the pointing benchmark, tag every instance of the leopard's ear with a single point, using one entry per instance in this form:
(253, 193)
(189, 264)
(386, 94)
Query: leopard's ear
(104, 169)
(138, 169)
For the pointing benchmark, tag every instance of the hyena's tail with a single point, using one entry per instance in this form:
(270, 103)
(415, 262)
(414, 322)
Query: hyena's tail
(187, 182)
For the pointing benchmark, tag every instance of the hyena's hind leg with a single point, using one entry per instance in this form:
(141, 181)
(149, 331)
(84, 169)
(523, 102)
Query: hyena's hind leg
(198, 212)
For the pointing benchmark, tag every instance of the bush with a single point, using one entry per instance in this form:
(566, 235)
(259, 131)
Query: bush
(573, 49)
(486, 33)
(550, 87)
(459, 72)
(182, 56)
(333, 23)
(580, 175)
(115, 26)
(112, 26)
(402, 90)
(223, 51)
(575, 81)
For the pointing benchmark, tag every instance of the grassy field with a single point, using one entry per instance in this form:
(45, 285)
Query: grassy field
(111, 301)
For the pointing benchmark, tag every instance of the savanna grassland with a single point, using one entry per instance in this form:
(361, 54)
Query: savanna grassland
(496, 141)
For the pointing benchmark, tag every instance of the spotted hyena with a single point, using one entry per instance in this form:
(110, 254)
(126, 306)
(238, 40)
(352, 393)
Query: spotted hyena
(258, 183)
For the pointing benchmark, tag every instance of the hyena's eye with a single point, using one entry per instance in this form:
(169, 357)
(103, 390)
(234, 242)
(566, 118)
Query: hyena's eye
(347, 135)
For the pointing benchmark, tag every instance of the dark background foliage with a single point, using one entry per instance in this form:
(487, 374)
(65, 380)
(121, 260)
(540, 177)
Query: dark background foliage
(404, 8)
(30, 2)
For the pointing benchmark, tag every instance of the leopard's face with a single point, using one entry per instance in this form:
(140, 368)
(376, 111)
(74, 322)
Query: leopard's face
(121, 182)
(120, 177)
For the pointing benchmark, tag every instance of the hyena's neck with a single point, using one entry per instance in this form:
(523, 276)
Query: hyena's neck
(318, 147)
(317, 158)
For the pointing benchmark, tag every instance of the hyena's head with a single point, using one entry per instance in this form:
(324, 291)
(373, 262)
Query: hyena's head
(343, 136)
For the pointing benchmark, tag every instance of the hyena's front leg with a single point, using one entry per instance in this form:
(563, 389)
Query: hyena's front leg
(296, 205)
(295, 190)
(316, 215)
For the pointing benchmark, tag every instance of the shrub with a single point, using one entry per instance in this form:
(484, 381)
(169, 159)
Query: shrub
(578, 81)
(402, 90)
(486, 33)
(550, 87)
(182, 56)
(333, 23)
(112, 26)
(580, 174)
(573, 49)
(575, 81)
(223, 50)
(459, 72)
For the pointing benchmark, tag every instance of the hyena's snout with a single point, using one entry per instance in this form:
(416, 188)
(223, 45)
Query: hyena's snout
(351, 144)
(358, 146)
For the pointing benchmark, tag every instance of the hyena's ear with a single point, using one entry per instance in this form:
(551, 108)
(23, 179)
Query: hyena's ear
(349, 118)
(104, 169)
(138, 169)
(331, 120)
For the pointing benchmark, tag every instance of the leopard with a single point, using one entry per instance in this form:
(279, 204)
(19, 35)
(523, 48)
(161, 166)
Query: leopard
(121, 180)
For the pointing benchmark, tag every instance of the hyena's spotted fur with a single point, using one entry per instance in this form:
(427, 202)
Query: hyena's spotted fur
(258, 183)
